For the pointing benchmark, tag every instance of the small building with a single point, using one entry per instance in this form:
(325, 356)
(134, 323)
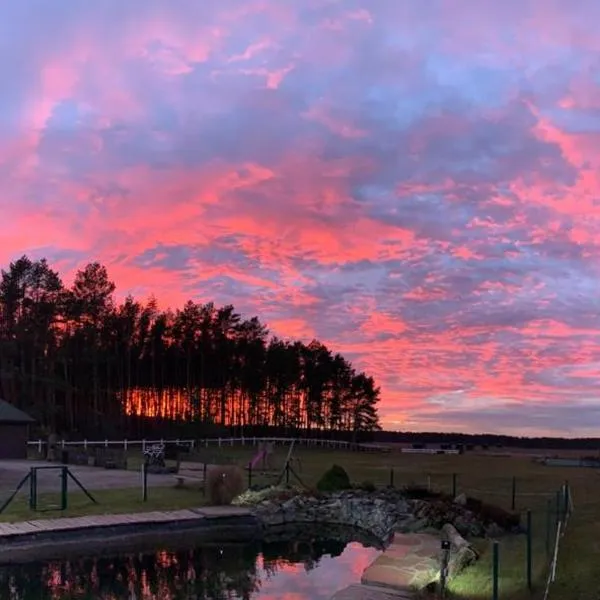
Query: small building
(14, 431)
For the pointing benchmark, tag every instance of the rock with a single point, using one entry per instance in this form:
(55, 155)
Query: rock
(462, 554)
(461, 500)
(379, 513)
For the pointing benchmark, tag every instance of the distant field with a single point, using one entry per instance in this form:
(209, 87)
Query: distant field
(482, 475)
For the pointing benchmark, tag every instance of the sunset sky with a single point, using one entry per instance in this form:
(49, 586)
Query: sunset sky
(414, 182)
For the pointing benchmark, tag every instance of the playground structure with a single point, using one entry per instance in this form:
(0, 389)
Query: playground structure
(263, 462)
(263, 458)
(31, 477)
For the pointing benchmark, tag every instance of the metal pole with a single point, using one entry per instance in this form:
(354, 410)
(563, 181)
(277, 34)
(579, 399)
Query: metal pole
(444, 569)
(548, 525)
(144, 482)
(32, 489)
(63, 488)
(495, 565)
(514, 493)
(529, 550)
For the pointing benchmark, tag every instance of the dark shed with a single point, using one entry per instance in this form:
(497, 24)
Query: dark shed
(14, 431)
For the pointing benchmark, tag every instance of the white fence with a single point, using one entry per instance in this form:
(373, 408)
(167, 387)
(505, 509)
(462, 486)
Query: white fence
(198, 443)
(428, 451)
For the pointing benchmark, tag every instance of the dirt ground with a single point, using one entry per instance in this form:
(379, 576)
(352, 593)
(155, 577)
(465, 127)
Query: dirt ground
(93, 478)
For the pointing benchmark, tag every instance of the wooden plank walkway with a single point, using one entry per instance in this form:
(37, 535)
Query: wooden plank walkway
(26, 528)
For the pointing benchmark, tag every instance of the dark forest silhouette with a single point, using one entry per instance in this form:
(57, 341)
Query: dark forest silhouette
(82, 363)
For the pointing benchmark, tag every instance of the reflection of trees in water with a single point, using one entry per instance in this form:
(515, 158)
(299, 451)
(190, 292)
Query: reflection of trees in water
(278, 554)
(211, 572)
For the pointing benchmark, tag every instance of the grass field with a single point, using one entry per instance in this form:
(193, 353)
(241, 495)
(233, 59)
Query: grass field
(485, 477)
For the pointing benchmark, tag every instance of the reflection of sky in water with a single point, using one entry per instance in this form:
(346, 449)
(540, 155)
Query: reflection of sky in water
(235, 572)
(292, 582)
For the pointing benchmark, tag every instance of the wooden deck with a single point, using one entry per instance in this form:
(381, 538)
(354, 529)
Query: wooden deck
(27, 528)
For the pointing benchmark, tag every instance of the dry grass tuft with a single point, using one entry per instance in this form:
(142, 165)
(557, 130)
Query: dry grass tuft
(223, 484)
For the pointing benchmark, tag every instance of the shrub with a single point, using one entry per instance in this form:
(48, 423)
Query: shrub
(367, 486)
(223, 484)
(334, 479)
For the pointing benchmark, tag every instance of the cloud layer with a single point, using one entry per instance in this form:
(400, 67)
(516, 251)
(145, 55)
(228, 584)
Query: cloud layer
(415, 183)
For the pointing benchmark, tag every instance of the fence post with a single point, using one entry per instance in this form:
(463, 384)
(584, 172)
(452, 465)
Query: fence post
(105, 444)
(85, 444)
(32, 488)
(558, 507)
(143, 446)
(495, 565)
(566, 497)
(548, 524)
(63, 488)
(529, 550)
(219, 442)
(454, 477)
(62, 444)
(125, 445)
(40, 446)
(513, 504)
(144, 482)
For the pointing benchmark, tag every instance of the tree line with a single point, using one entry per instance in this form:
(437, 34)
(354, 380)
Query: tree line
(82, 363)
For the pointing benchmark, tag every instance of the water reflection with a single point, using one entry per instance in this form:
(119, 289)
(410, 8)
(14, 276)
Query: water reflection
(276, 571)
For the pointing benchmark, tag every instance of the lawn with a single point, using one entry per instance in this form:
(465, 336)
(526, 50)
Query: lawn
(486, 477)
(112, 501)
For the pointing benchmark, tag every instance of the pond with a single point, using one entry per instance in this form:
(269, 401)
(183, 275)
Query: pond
(298, 570)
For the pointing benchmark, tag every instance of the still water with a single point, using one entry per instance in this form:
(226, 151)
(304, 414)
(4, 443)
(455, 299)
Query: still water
(275, 571)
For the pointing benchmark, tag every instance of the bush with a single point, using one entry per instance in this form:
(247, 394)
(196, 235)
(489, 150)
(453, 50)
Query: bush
(367, 486)
(334, 479)
(223, 484)
(279, 493)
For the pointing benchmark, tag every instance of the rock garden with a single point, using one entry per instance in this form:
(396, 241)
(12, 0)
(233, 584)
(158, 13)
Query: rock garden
(382, 515)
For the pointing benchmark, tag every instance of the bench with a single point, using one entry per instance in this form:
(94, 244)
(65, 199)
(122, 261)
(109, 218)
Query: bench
(190, 471)
(110, 458)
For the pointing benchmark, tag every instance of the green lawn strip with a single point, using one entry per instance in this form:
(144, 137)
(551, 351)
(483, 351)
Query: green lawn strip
(114, 501)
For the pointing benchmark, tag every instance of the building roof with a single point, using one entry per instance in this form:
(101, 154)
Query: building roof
(11, 414)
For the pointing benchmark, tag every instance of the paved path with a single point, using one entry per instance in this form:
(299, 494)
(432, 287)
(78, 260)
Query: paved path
(409, 564)
(19, 529)
(367, 592)
(411, 561)
(93, 478)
